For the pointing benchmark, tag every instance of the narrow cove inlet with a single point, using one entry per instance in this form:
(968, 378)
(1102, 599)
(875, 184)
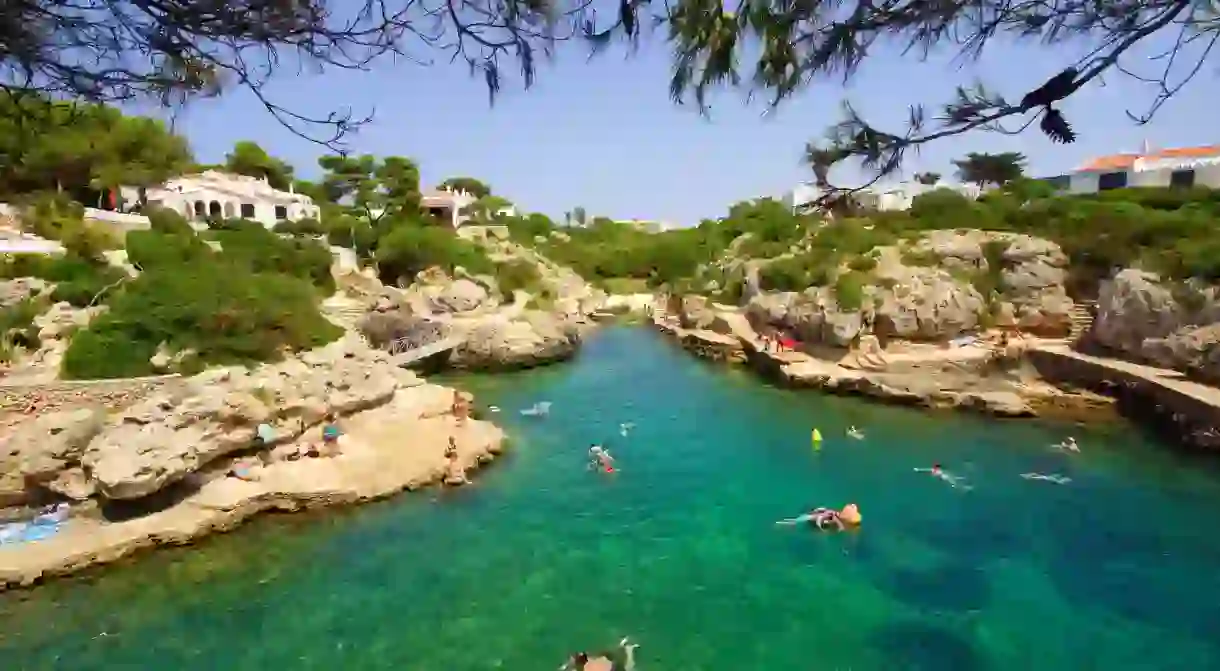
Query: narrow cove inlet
(1113, 569)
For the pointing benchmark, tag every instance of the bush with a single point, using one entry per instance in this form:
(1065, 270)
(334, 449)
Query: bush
(77, 280)
(409, 249)
(224, 313)
(517, 275)
(157, 249)
(17, 327)
(849, 290)
(261, 251)
(165, 220)
(306, 226)
(236, 225)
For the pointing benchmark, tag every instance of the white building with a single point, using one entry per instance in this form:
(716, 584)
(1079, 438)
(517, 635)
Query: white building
(215, 194)
(1184, 167)
(450, 206)
(649, 225)
(882, 197)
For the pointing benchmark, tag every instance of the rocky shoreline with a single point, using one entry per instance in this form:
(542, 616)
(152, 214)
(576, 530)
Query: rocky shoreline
(964, 378)
(160, 471)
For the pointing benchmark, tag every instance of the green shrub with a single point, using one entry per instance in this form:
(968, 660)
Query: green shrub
(236, 225)
(849, 290)
(157, 249)
(307, 226)
(165, 220)
(517, 275)
(863, 264)
(17, 327)
(77, 280)
(225, 313)
(262, 251)
(409, 249)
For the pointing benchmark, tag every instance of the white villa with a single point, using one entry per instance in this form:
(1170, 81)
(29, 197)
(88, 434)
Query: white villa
(893, 197)
(1184, 167)
(218, 194)
(450, 206)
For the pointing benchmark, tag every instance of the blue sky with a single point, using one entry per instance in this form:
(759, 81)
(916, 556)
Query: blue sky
(604, 135)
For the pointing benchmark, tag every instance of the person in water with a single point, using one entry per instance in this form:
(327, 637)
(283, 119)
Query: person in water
(825, 518)
(937, 472)
(1069, 444)
(599, 457)
(855, 433)
(622, 659)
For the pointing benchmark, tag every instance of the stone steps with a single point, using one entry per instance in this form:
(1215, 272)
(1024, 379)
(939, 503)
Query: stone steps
(1082, 319)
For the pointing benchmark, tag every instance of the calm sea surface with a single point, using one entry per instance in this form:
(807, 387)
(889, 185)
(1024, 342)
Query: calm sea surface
(1118, 569)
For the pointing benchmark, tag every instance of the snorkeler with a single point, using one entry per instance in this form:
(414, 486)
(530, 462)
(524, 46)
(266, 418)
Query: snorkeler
(622, 659)
(855, 433)
(1055, 478)
(1069, 444)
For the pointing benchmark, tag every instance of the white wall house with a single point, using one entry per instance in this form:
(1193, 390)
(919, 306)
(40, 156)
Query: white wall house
(882, 197)
(1184, 167)
(218, 194)
(450, 206)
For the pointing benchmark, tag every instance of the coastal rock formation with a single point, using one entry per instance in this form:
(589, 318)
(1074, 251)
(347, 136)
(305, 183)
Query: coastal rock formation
(532, 338)
(1135, 306)
(164, 438)
(55, 328)
(930, 291)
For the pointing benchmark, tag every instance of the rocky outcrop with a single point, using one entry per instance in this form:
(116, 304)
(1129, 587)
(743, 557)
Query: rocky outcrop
(1173, 325)
(55, 328)
(164, 438)
(930, 291)
(532, 338)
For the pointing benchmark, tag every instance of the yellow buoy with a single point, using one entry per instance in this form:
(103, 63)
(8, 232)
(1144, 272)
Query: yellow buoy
(817, 439)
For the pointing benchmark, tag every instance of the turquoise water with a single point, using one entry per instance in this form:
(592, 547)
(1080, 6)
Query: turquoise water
(1120, 569)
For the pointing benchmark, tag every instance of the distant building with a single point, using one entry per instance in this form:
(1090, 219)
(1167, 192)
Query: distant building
(1183, 167)
(648, 225)
(880, 197)
(215, 194)
(451, 206)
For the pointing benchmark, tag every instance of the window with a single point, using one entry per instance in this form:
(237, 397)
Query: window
(214, 209)
(200, 208)
(1182, 179)
(247, 210)
(281, 212)
(1112, 180)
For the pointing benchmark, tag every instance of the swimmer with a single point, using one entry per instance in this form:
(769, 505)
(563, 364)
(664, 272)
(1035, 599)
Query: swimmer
(937, 472)
(1055, 478)
(1069, 444)
(493, 408)
(624, 428)
(599, 457)
(624, 660)
(824, 518)
(855, 433)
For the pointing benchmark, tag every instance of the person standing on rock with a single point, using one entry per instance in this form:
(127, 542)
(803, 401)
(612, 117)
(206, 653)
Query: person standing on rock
(461, 409)
(330, 435)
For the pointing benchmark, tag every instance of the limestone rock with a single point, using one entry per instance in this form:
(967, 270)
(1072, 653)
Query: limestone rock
(499, 342)
(161, 440)
(16, 290)
(40, 450)
(461, 295)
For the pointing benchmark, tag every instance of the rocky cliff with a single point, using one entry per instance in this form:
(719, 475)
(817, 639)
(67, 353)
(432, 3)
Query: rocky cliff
(1169, 324)
(937, 287)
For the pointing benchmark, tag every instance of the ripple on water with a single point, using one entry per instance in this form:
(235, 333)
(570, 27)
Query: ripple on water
(1115, 570)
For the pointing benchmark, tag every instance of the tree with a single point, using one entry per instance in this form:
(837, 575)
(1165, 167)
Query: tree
(170, 53)
(579, 216)
(80, 147)
(487, 208)
(470, 185)
(247, 158)
(997, 169)
(381, 192)
(783, 48)
(927, 178)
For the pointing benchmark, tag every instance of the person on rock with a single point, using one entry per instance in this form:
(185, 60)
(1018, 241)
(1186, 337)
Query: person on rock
(330, 435)
(451, 452)
(460, 408)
